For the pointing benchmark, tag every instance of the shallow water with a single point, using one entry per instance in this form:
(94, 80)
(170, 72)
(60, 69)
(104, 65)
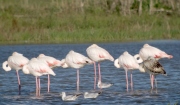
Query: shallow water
(168, 91)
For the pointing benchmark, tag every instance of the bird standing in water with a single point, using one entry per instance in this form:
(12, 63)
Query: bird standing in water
(52, 62)
(16, 62)
(98, 54)
(128, 62)
(37, 68)
(77, 61)
(153, 67)
(153, 52)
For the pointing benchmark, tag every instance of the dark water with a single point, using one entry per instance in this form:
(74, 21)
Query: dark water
(168, 91)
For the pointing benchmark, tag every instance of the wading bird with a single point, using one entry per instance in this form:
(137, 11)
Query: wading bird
(153, 67)
(52, 62)
(16, 62)
(98, 54)
(128, 62)
(77, 61)
(37, 68)
(150, 51)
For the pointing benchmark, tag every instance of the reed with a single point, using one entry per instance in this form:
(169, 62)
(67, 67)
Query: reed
(60, 21)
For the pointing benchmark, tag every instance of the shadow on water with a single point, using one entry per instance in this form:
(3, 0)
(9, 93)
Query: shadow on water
(65, 80)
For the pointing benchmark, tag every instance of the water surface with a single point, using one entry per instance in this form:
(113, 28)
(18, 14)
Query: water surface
(168, 91)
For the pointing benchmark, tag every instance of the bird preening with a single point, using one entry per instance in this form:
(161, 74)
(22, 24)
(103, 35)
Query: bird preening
(146, 61)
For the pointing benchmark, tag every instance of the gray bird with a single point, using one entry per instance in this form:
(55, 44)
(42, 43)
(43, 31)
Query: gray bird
(153, 67)
(91, 95)
(69, 97)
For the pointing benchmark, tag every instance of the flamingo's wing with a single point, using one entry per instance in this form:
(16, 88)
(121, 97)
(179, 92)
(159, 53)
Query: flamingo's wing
(128, 61)
(80, 59)
(18, 60)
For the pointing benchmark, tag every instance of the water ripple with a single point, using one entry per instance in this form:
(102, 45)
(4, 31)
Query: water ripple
(168, 91)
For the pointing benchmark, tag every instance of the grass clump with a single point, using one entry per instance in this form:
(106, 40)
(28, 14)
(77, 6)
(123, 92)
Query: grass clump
(60, 22)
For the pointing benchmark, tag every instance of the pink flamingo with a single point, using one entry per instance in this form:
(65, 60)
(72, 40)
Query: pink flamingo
(150, 51)
(128, 62)
(37, 68)
(76, 60)
(51, 61)
(16, 61)
(98, 54)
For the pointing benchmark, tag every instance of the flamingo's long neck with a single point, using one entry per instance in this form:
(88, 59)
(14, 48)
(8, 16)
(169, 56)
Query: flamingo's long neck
(111, 58)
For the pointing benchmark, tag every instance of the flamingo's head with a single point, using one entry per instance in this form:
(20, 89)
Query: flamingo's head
(138, 58)
(116, 63)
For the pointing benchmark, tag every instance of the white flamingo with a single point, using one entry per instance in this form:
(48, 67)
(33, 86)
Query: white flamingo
(52, 62)
(150, 51)
(16, 62)
(37, 68)
(128, 62)
(98, 54)
(76, 60)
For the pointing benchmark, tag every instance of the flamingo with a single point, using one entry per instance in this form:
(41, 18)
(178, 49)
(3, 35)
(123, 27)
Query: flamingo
(52, 62)
(128, 62)
(150, 51)
(76, 60)
(16, 61)
(153, 67)
(98, 54)
(37, 68)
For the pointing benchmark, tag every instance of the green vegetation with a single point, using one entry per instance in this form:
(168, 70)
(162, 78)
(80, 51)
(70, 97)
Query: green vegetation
(62, 21)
